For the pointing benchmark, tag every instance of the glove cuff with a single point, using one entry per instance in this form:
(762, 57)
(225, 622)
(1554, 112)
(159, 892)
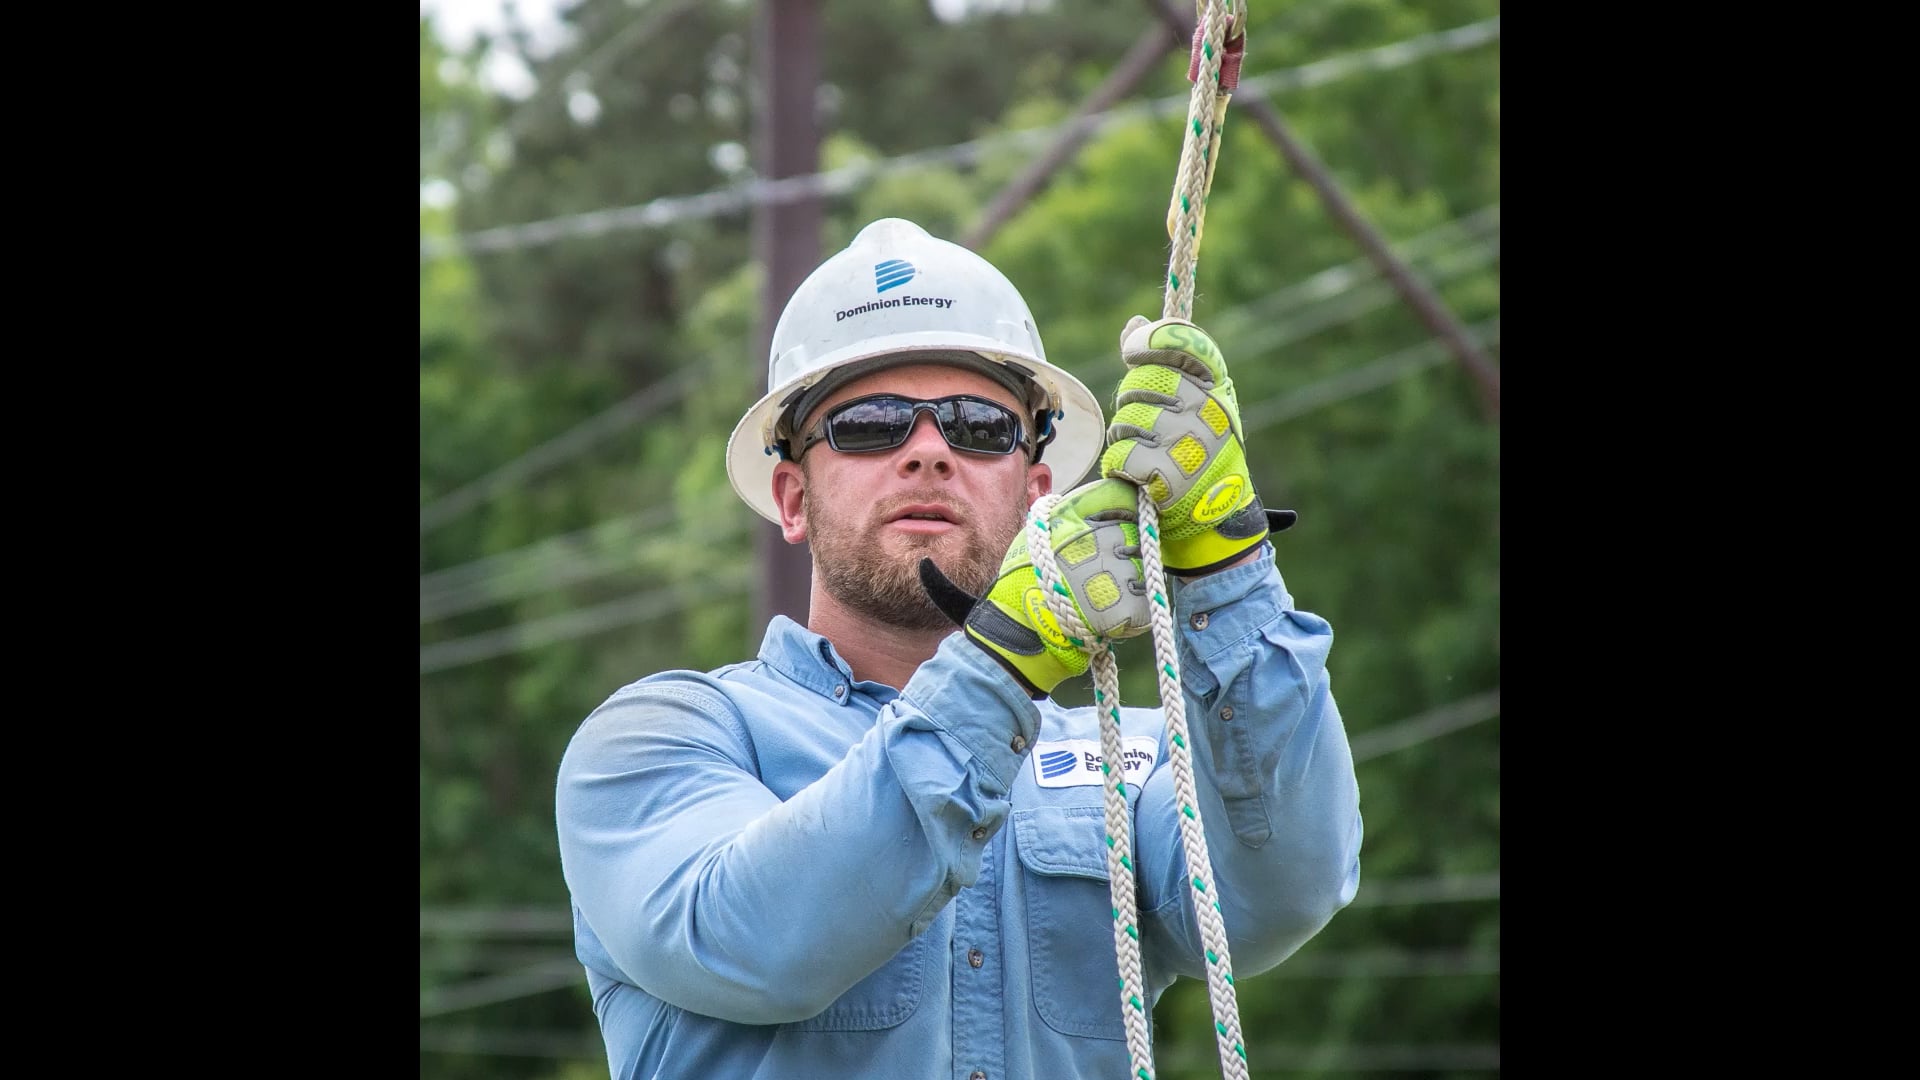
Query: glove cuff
(1037, 671)
(1214, 548)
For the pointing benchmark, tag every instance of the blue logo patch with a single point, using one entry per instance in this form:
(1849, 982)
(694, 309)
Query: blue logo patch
(892, 273)
(1055, 762)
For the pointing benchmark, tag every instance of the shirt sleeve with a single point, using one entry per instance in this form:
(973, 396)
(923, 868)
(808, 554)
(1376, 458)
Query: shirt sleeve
(1273, 772)
(714, 895)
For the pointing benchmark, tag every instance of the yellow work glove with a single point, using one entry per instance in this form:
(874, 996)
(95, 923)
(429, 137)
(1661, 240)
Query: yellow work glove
(1176, 433)
(1096, 545)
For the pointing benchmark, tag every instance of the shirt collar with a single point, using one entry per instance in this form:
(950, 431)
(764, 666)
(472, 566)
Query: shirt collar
(807, 659)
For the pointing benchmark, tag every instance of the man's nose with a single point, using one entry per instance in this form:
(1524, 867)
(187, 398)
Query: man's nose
(925, 449)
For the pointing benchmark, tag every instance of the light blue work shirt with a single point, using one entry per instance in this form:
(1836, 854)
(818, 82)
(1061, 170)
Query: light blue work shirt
(779, 872)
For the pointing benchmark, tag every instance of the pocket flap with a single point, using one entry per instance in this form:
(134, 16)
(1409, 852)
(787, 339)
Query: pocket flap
(1063, 840)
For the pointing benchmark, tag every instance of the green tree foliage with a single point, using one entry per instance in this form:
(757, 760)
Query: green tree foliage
(623, 551)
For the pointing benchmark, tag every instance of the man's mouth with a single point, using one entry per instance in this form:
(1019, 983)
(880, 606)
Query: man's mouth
(924, 518)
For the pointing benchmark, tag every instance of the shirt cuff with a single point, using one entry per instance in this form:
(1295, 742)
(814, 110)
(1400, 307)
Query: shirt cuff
(950, 688)
(1215, 612)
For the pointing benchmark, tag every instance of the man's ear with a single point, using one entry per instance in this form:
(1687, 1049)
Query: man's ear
(1039, 482)
(789, 485)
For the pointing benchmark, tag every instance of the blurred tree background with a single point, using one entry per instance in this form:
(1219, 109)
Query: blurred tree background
(578, 383)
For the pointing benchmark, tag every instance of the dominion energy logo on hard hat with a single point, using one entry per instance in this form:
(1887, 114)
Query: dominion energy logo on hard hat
(892, 274)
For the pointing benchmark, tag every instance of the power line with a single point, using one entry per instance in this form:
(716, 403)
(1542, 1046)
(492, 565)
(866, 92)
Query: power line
(672, 209)
(1431, 890)
(1388, 964)
(525, 580)
(566, 565)
(1370, 376)
(1428, 725)
(1140, 60)
(541, 978)
(562, 1045)
(515, 922)
(1338, 279)
(455, 579)
(1345, 308)
(594, 65)
(466, 957)
(637, 607)
(635, 407)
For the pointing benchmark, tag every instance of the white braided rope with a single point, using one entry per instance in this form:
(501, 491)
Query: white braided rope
(1200, 144)
(1120, 869)
(1206, 112)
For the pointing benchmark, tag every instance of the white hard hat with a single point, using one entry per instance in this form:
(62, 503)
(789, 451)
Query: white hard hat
(897, 295)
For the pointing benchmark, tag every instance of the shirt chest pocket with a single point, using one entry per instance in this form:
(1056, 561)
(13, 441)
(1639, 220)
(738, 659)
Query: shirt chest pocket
(884, 998)
(1063, 851)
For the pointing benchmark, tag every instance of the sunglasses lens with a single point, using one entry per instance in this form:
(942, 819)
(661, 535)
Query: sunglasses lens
(871, 424)
(979, 426)
(882, 423)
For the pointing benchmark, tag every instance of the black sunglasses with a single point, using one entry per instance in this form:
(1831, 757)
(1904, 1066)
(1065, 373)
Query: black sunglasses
(877, 422)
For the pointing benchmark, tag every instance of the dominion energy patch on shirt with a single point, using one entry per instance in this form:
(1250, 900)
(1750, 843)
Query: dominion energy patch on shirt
(1077, 762)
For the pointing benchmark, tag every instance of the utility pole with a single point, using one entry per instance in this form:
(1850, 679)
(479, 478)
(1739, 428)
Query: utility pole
(786, 239)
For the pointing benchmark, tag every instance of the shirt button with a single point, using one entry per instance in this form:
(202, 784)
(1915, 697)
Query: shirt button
(1199, 621)
(840, 691)
(980, 833)
(1019, 743)
(976, 1075)
(1226, 713)
(976, 957)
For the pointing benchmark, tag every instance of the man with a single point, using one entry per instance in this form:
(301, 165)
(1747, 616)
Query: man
(878, 850)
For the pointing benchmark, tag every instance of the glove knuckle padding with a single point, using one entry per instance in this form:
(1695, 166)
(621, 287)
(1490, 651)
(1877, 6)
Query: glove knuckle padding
(1107, 584)
(1096, 543)
(1192, 448)
(1176, 434)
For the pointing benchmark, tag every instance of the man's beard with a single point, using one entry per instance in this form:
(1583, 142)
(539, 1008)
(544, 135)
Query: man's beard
(860, 569)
